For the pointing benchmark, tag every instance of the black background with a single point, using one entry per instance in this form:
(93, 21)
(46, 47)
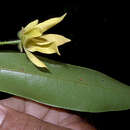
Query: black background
(99, 34)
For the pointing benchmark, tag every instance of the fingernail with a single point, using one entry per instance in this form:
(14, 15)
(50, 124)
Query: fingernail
(3, 112)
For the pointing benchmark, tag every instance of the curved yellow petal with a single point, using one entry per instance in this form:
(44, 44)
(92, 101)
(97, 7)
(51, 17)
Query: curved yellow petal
(58, 39)
(44, 26)
(47, 49)
(32, 34)
(30, 26)
(35, 60)
(32, 43)
(41, 41)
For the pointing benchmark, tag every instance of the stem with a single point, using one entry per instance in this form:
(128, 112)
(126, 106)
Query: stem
(10, 42)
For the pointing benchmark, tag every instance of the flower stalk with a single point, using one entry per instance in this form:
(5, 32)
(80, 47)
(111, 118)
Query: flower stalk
(10, 42)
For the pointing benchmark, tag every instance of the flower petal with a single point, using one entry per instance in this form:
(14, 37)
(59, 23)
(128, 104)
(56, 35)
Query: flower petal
(41, 41)
(58, 39)
(35, 60)
(32, 34)
(47, 49)
(44, 26)
(30, 26)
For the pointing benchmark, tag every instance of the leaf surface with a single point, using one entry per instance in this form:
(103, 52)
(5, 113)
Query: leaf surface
(64, 85)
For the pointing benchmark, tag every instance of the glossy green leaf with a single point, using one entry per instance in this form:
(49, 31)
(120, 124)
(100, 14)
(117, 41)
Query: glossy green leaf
(65, 86)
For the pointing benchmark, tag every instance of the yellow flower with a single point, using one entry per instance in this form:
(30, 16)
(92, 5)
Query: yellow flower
(33, 39)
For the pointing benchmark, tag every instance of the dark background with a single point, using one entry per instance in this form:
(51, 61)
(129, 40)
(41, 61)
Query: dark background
(99, 35)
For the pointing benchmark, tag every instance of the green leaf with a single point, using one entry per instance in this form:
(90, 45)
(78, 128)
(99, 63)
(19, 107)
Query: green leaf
(65, 86)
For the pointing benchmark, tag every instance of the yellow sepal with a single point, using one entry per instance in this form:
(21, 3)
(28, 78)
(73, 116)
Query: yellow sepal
(44, 26)
(58, 39)
(35, 60)
(47, 49)
(30, 26)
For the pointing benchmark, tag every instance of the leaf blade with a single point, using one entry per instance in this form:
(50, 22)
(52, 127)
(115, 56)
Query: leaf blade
(65, 86)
